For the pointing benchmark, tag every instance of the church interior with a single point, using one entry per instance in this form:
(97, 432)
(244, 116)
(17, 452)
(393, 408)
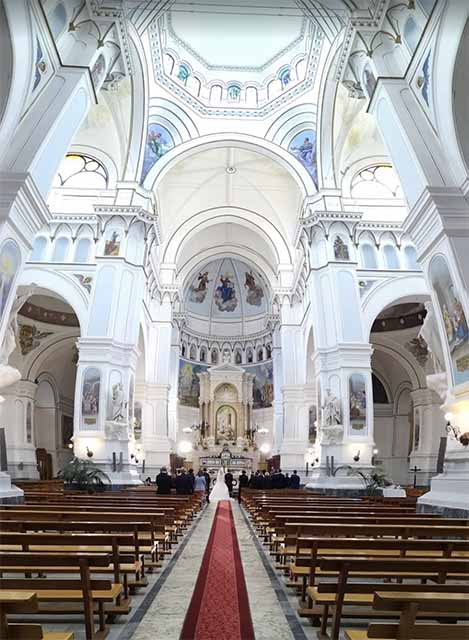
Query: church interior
(234, 302)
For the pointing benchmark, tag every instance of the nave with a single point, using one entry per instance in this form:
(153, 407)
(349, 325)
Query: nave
(284, 564)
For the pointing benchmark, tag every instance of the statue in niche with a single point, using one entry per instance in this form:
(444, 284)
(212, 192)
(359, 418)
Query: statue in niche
(117, 403)
(226, 356)
(331, 410)
(340, 249)
(225, 423)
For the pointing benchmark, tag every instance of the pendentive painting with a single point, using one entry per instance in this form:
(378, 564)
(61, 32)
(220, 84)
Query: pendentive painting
(189, 383)
(357, 391)
(263, 387)
(255, 293)
(159, 141)
(303, 147)
(454, 318)
(225, 293)
(90, 397)
(198, 289)
(10, 261)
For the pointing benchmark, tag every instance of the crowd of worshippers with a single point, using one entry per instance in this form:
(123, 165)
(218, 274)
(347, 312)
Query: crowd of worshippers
(274, 480)
(186, 482)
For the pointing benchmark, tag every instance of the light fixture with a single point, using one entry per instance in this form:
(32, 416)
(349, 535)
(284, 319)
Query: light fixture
(89, 453)
(356, 457)
(185, 446)
(187, 430)
(264, 448)
(70, 445)
(375, 452)
(262, 430)
(452, 429)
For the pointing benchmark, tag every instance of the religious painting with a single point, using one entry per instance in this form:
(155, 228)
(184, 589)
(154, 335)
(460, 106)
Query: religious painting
(416, 427)
(285, 78)
(98, 71)
(30, 338)
(255, 292)
(90, 397)
(234, 93)
(10, 262)
(357, 399)
(225, 294)
(112, 244)
(454, 318)
(341, 251)
(183, 73)
(312, 425)
(189, 383)
(198, 289)
(423, 79)
(138, 421)
(226, 423)
(67, 430)
(303, 147)
(40, 66)
(29, 423)
(263, 386)
(159, 141)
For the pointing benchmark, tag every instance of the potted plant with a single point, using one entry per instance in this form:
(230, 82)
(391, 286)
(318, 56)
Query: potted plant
(373, 480)
(83, 475)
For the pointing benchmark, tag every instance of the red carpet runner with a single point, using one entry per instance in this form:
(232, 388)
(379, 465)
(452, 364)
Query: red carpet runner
(219, 609)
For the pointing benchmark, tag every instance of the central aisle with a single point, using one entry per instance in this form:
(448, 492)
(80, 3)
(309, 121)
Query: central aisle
(179, 585)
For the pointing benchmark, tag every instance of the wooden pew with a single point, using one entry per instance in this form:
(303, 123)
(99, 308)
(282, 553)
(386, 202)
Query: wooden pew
(409, 605)
(344, 593)
(24, 602)
(62, 593)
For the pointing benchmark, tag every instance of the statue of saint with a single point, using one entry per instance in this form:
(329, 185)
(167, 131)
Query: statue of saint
(331, 411)
(117, 402)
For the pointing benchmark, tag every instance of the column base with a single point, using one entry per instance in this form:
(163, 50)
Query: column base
(9, 494)
(340, 484)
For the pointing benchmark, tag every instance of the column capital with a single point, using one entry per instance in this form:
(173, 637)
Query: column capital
(424, 397)
(342, 356)
(96, 350)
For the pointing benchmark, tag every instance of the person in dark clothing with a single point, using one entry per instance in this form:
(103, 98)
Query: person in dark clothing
(163, 482)
(251, 481)
(207, 482)
(183, 483)
(287, 481)
(281, 480)
(267, 481)
(191, 480)
(243, 481)
(257, 481)
(229, 482)
(294, 480)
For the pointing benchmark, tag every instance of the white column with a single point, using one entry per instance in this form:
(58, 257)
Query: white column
(429, 428)
(18, 420)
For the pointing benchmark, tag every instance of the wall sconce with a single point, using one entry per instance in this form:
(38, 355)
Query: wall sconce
(89, 453)
(356, 457)
(70, 445)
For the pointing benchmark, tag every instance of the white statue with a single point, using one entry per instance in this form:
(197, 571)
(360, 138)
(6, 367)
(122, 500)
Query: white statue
(117, 402)
(331, 411)
(429, 332)
(9, 375)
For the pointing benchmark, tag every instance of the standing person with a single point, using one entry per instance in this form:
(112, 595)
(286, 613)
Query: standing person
(281, 479)
(275, 479)
(251, 481)
(287, 481)
(191, 480)
(207, 483)
(295, 480)
(229, 482)
(163, 482)
(200, 485)
(242, 482)
(183, 483)
(267, 481)
(220, 490)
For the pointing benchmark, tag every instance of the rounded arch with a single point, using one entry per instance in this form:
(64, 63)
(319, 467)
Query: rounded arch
(414, 372)
(61, 284)
(392, 291)
(235, 140)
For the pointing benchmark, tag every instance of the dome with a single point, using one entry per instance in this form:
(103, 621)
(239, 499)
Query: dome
(227, 297)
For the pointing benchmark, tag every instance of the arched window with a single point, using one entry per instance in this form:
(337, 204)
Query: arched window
(78, 171)
(234, 93)
(368, 256)
(411, 33)
(214, 356)
(39, 249)
(60, 250)
(238, 358)
(285, 77)
(193, 352)
(269, 351)
(82, 250)
(251, 97)
(411, 257)
(260, 354)
(378, 181)
(391, 259)
(183, 73)
(203, 355)
(216, 94)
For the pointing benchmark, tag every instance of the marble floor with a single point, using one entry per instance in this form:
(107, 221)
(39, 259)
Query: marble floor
(158, 612)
